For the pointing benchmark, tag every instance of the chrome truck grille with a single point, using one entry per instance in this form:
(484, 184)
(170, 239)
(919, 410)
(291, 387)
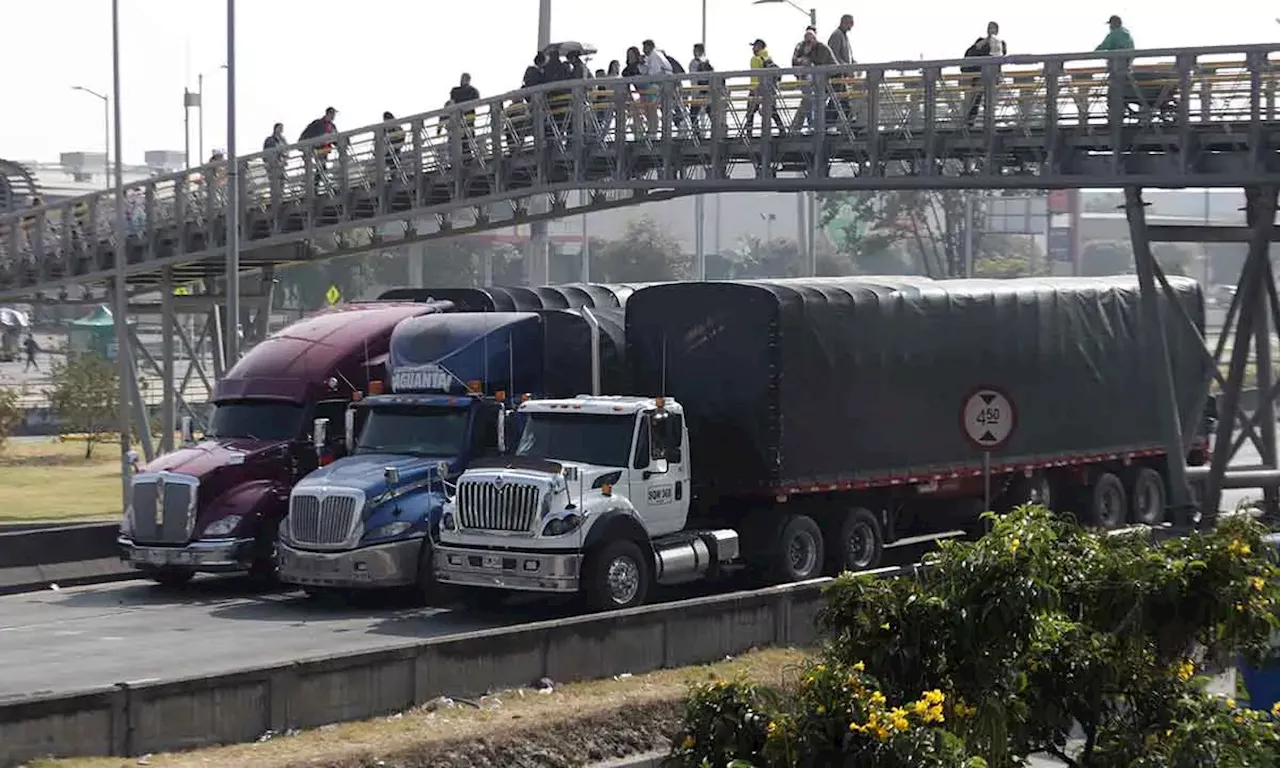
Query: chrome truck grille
(324, 518)
(164, 507)
(494, 505)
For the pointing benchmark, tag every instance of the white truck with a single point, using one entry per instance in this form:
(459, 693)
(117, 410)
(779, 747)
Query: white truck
(797, 427)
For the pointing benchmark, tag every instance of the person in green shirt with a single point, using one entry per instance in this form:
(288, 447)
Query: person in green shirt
(1118, 38)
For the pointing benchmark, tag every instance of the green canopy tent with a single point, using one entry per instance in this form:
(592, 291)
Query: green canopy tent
(94, 334)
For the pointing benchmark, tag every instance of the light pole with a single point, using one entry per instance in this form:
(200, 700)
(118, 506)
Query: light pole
(806, 221)
(537, 257)
(120, 318)
(232, 323)
(106, 132)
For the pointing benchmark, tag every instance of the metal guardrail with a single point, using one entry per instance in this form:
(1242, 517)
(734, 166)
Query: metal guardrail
(1190, 115)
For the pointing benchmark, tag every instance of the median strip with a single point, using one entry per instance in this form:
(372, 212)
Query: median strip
(551, 726)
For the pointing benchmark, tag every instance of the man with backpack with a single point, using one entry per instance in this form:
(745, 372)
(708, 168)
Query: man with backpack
(763, 88)
(700, 99)
(983, 47)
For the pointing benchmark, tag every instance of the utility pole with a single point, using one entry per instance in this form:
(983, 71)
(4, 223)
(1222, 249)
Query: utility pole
(537, 258)
(232, 325)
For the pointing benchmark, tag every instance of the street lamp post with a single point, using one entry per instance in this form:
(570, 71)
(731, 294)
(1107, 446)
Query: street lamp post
(233, 199)
(124, 355)
(699, 201)
(806, 221)
(106, 132)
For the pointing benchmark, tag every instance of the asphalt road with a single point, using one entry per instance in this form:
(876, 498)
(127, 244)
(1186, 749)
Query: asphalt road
(132, 631)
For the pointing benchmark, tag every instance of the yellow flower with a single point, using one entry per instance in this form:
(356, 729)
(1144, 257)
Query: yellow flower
(1239, 548)
(855, 728)
(1257, 583)
(1231, 703)
(920, 707)
(934, 697)
(1013, 546)
(773, 729)
(877, 700)
(688, 742)
(1275, 709)
(964, 710)
(822, 710)
(1185, 670)
(859, 667)
(882, 733)
(898, 719)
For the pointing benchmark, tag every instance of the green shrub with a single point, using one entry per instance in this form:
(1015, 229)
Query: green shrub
(1022, 636)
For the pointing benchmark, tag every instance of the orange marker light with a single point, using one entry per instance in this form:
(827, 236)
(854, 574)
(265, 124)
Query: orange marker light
(606, 490)
(375, 387)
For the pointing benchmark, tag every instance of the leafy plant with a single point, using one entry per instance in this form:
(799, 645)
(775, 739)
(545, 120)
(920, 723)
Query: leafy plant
(10, 413)
(84, 393)
(1035, 631)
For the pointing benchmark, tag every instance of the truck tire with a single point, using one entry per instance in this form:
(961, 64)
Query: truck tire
(1040, 491)
(854, 542)
(798, 554)
(171, 578)
(616, 575)
(426, 590)
(1108, 508)
(1147, 498)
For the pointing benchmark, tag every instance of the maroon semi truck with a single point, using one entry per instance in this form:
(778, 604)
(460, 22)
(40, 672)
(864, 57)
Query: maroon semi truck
(215, 506)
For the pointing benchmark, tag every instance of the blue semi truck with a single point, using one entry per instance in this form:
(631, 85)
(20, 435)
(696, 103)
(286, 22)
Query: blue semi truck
(364, 521)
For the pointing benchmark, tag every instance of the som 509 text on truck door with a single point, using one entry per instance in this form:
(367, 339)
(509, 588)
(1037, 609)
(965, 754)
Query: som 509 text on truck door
(661, 494)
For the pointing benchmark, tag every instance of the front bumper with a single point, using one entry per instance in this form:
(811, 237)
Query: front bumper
(373, 567)
(520, 571)
(211, 556)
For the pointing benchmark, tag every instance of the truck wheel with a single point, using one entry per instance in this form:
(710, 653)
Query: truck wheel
(1040, 491)
(171, 578)
(1108, 508)
(798, 554)
(1147, 497)
(428, 591)
(856, 544)
(616, 576)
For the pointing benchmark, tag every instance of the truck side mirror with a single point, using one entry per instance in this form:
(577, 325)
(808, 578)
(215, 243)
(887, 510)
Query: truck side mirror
(186, 431)
(659, 424)
(502, 430)
(392, 476)
(132, 458)
(349, 428)
(319, 434)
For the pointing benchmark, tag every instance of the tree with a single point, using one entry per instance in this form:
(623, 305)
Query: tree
(1006, 256)
(10, 413)
(1001, 648)
(644, 254)
(84, 395)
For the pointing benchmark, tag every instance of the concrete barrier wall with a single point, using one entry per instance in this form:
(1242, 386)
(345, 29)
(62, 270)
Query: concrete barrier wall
(127, 720)
(67, 555)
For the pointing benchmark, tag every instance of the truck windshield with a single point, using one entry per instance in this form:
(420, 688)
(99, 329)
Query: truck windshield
(256, 420)
(586, 438)
(414, 430)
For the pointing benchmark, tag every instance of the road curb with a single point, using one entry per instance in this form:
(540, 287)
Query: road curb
(642, 760)
(35, 578)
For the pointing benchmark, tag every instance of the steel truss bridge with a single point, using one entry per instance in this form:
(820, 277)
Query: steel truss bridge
(1204, 117)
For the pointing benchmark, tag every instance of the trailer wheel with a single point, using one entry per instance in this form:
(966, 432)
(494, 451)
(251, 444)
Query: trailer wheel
(616, 575)
(1108, 508)
(798, 554)
(856, 544)
(1147, 497)
(1040, 490)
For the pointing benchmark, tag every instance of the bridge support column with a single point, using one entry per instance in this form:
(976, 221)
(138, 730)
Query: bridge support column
(1255, 313)
(168, 330)
(1158, 364)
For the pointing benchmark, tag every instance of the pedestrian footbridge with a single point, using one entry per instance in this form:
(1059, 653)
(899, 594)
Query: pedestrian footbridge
(1169, 118)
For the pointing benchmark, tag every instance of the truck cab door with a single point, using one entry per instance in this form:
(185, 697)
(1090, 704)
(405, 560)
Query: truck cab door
(659, 475)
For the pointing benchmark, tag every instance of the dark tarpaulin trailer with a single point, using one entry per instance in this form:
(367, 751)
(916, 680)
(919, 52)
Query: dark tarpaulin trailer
(567, 369)
(794, 383)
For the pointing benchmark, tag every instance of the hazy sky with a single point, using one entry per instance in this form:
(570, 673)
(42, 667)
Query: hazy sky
(295, 57)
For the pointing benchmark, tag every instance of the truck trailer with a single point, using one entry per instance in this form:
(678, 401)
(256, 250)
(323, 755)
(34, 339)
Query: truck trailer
(796, 427)
(364, 521)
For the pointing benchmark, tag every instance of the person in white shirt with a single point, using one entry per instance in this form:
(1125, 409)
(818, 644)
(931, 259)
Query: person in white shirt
(991, 45)
(656, 64)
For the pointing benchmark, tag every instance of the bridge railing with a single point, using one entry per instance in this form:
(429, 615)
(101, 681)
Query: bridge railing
(487, 147)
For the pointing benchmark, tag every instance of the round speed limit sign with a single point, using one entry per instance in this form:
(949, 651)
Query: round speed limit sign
(988, 418)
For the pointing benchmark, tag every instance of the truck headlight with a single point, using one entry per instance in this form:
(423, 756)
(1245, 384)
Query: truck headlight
(390, 530)
(222, 528)
(447, 522)
(562, 525)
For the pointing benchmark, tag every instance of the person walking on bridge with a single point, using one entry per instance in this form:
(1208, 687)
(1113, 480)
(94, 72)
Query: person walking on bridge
(762, 88)
(321, 126)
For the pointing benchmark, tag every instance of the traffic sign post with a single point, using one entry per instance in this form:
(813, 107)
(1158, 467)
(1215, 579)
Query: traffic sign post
(988, 418)
(333, 295)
